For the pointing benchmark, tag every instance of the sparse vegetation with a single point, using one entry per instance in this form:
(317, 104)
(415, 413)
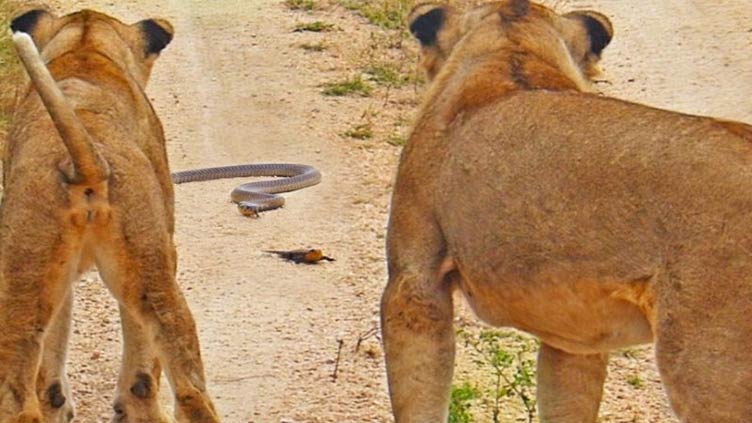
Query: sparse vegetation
(459, 405)
(301, 4)
(386, 64)
(635, 381)
(387, 74)
(509, 357)
(317, 47)
(350, 86)
(397, 140)
(388, 14)
(630, 353)
(362, 131)
(315, 26)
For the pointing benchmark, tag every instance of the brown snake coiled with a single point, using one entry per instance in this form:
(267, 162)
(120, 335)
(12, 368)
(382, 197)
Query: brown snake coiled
(255, 197)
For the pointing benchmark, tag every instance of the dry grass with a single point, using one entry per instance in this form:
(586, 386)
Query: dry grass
(387, 14)
(9, 68)
(301, 4)
(317, 26)
(362, 131)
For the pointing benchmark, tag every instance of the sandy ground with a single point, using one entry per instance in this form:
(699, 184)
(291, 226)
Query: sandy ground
(235, 87)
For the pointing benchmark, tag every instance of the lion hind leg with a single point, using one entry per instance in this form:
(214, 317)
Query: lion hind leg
(138, 384)
(570, 386)
(137, 262)
(417, 323)
(419, 346)
(703, 356)
(53, 387)
(37, 269)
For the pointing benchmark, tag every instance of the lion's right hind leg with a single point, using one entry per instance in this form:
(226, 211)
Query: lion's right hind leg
(137, 260)
(156, 312)
(138, 385)
(705, 380)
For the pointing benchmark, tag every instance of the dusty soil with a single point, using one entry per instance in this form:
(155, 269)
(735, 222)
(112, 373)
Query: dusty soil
(236, 87)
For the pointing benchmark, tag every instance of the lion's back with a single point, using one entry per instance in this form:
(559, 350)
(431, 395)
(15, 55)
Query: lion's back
(544, 166)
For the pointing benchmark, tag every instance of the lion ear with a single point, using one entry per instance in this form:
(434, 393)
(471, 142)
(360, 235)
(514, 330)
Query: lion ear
(33, 23)
(426, 21)
(599, 29)
(27, 21)
(157, 35)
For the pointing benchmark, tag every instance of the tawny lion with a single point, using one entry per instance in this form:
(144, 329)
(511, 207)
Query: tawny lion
(87, 182)
(590, 222)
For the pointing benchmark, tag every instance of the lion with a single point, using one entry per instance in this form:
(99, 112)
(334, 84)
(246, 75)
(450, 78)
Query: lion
(87, 183)
(590, 222)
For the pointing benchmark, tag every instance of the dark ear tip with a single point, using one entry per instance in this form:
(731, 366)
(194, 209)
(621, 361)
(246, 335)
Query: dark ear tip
(425, 22)
(599, 28)
(26, 21)
(419, 10)
(600, 36)
(158, 34)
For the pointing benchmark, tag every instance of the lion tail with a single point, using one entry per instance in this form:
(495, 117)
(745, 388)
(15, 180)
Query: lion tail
(89, 167)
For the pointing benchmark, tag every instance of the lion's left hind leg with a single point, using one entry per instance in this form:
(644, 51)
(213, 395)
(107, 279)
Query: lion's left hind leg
(419, 347)
(417, 325)
(569, 386)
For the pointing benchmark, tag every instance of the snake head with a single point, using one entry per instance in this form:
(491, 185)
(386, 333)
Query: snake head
(248, 210)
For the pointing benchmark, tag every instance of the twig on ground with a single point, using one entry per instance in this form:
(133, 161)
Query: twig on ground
(367, 334)
(340, 343)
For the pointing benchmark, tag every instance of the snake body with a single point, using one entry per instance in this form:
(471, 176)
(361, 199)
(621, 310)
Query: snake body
(255, 197)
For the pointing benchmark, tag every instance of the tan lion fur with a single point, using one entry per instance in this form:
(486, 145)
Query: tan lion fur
(590, 222)
(87, 182)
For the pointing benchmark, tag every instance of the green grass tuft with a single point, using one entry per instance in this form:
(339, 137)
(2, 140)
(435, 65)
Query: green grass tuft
(301, 4)
(635, 381)
(320, 46)
(387, 74)
(316, 26)
(363, 131)
(459, 405)
(396, 140)
(351, 86)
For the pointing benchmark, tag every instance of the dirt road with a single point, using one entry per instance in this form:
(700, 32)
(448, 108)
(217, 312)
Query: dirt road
(235, 87)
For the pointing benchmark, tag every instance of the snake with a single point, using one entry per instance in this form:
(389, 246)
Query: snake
(253, 198)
